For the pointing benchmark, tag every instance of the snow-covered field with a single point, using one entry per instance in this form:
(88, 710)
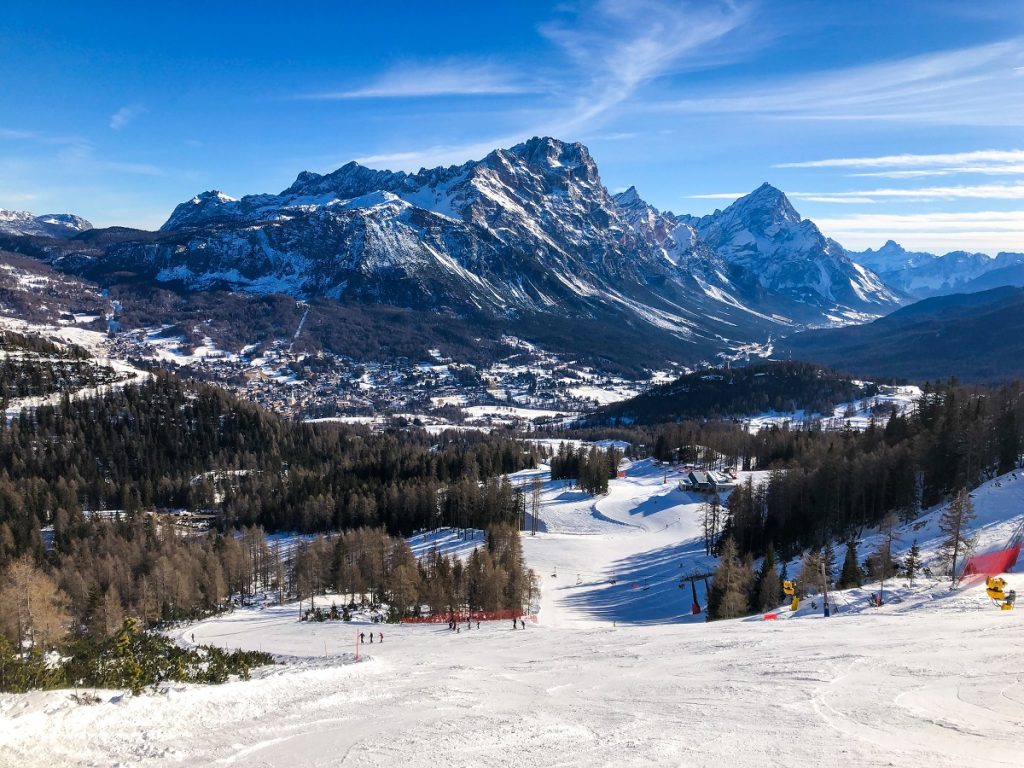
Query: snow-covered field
(858, 414)
(610, 674)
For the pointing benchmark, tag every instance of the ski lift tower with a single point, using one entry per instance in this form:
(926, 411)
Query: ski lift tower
(693, 579)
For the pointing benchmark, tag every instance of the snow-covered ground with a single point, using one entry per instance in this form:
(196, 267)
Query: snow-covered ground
(858, 414)
(610, 674)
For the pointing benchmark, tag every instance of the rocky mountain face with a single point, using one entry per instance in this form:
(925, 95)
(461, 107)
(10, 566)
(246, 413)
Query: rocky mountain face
(59, 225)
(922, 275)
(527, 239)
(763, 233)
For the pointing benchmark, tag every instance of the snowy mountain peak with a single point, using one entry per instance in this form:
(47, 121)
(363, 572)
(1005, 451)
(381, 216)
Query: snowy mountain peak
(630, 199)
(351, 180)
(201, 209)
(547, 153)
(524, 231)
(763, 233)
(60, 225)
(768, 203)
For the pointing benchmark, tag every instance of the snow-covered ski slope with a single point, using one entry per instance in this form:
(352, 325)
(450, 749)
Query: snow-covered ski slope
(611, 674)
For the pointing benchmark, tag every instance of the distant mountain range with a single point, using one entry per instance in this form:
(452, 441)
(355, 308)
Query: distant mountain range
(921, 275)
(62, 225)
(976, 337)
(526, 241)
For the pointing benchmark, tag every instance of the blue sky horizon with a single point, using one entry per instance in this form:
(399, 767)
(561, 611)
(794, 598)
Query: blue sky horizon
(879, 120)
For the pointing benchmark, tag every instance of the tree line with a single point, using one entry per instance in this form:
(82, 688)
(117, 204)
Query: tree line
(830, 486)
(735, 392)
(170, 444)
(590, 467)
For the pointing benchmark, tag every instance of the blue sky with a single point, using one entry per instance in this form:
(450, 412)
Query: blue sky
(879, 119)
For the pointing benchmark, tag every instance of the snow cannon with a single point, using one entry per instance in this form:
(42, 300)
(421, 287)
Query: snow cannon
(789, 589)
(995, 587)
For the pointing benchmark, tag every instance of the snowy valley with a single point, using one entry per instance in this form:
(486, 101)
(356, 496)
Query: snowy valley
(613, 668)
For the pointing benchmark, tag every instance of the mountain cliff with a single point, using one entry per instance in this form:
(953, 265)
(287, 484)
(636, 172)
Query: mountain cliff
(59, 225)
(526, 240)
(922, 275)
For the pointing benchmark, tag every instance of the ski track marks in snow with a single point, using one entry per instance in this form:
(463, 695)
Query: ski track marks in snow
(932, 678)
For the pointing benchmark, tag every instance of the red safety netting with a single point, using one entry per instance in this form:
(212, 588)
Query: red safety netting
(992, 563)
(460, 616)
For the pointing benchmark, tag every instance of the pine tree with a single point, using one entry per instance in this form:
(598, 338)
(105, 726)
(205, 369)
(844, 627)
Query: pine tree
(810, 571)
(727, 597)
(850, 576)
(768, 591)
(913, 562)
(953, 525)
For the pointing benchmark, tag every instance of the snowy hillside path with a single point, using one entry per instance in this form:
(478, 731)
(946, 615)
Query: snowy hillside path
(934, 689)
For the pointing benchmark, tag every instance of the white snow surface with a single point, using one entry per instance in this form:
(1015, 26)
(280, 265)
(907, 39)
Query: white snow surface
(609, 674)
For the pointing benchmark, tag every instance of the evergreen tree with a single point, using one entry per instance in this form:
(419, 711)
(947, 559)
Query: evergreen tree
(727, 598)
(913, 562)
(953, 526)
(768, 592)
(850, 576)
(810, 571)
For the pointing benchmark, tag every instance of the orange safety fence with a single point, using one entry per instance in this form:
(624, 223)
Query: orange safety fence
(991, 563)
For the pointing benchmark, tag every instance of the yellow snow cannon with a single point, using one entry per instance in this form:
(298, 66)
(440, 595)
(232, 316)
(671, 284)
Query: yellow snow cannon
(789, 589)
(995, 586)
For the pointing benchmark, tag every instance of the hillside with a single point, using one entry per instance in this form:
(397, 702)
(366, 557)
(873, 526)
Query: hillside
(924, 275)
(976, 337)
(913, 681)
(739, 391)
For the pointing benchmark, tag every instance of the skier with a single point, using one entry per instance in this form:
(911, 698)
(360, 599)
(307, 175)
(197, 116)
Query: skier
(371, 638)
(522, 624)
(193, 638)
(478, 624)
(362, 638)
(513, 623)
(381, 636)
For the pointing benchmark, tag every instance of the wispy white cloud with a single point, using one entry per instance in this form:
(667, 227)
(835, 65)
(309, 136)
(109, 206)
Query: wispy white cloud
(973, 192)
(38, 137)
(11, 134)
(612, 49)
(125, 115)
(920, 194)
(988, 231)
(912, 161)
(82, 157)
(980, 170)
(968, 86)
(620, 45)
(451, 77)
(10, 196)
(846, 198)
(986, 162)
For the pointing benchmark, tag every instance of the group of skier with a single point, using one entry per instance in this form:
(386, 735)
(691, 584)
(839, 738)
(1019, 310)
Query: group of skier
(456, 626)
(362, 637)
